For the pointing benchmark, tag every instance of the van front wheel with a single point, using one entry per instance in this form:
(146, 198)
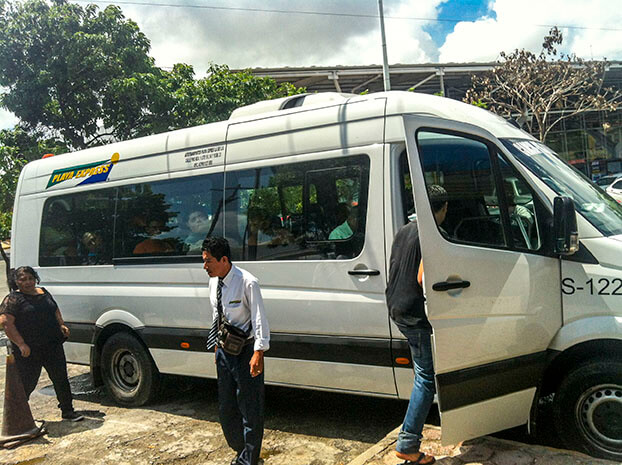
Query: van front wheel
(588, 409)
(130, 376)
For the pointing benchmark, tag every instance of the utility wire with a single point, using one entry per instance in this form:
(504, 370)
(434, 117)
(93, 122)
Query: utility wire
(320, 13)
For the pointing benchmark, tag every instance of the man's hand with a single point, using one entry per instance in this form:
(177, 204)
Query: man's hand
(65, 330)
(256, 363)
(24, 349)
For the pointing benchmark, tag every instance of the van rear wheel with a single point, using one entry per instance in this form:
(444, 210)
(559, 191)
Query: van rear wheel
(130, 376)
(588, 409)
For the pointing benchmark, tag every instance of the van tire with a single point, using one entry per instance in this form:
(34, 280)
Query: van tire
(588, 409)
(130, 376)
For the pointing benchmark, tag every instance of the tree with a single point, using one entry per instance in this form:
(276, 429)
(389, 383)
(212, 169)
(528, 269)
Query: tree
(86, 75)
(62, 64)
(17, 147)
(166, 100)
(543, 89)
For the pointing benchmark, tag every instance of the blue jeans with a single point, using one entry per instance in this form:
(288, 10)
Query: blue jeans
(422, 395)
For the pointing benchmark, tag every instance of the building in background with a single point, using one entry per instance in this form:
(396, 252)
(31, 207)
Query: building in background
(592, 141)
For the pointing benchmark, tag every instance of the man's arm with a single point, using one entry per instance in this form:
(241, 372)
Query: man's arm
(259, 327)
(8, 323)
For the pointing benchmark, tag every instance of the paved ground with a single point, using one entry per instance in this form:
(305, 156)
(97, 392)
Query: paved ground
(302, 428)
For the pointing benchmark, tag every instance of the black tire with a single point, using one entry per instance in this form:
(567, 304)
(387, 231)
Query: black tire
(129, 374)
(588, 409)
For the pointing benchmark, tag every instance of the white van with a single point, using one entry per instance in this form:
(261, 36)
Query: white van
(310, 190)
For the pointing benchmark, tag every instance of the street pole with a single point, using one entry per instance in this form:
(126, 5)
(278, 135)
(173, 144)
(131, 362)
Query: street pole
(385, 61)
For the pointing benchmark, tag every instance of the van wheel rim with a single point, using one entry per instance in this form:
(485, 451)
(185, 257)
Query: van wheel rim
(599, 413)
(125, 370)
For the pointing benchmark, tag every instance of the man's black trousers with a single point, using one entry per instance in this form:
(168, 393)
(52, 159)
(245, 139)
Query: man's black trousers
(241, 404)
(52, 358)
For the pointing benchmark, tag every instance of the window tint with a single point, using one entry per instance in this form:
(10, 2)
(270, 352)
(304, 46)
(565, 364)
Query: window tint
(168, 218)
(310, 210)
(617, 185)
(463, 167)
(77, 229)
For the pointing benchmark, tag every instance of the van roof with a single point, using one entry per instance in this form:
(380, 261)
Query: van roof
(213, 134)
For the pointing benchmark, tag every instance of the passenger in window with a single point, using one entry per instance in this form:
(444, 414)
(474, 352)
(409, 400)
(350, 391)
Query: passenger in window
(199, 224)
(92, 249)
(346, 229)
(57, 238)
(405, 301)
(153, 246)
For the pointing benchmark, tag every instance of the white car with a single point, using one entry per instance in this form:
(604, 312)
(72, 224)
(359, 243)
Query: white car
(612, 184)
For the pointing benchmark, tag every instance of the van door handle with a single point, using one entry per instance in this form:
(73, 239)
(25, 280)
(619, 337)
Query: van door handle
(364, 272)
(448, 285)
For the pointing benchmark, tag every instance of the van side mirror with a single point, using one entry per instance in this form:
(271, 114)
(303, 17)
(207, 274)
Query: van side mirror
(565, 233)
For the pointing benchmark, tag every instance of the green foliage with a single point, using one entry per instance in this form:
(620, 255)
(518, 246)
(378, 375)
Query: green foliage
(62, 64)
(480, 103)
(5, 224)
(17, 147)
(167, 100)
(67, 69)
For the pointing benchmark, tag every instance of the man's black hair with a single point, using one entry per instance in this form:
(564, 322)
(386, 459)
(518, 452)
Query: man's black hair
(438, 197)
(16, 273)
(217, 246)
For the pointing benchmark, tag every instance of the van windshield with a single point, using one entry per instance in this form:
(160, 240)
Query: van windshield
(590, 201)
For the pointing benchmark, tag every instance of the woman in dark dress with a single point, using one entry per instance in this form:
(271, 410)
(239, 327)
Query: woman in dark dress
(33, 323)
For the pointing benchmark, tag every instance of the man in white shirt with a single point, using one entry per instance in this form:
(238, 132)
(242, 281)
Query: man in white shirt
(236, 298)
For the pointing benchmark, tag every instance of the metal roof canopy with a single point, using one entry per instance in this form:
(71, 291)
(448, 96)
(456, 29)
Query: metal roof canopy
(455, 78)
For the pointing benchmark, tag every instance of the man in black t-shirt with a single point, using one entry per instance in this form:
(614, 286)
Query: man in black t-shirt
(407, 309)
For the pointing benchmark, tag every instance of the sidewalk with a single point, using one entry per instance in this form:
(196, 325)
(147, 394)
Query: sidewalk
(481, 451)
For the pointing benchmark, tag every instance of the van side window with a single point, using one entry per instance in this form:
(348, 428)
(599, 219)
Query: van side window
(463, 167)
(76, 229)
(521, 207)
(299, 211)
(489, 202)
(406, 189)
(168, 218)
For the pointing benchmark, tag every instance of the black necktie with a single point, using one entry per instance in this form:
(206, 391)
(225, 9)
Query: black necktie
(213, 332)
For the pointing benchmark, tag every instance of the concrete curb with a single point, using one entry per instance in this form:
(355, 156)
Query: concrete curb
(479, 451)
(377, 448)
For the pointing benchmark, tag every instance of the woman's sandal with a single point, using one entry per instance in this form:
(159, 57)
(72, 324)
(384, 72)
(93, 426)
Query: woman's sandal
(420, 460)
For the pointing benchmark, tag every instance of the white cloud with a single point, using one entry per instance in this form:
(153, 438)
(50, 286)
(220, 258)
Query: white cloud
(255, 39)
(524, 24)
(7, 119)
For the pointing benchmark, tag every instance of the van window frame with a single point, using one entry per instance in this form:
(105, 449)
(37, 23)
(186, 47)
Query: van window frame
(492, 148)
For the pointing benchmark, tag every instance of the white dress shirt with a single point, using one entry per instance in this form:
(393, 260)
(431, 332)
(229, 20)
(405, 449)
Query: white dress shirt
(242, 304)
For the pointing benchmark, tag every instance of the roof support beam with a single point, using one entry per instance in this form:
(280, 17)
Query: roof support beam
(375, 78)
(335, 78)
(423, 81)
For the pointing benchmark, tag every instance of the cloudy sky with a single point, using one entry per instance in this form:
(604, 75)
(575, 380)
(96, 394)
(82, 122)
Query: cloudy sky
(274, 33)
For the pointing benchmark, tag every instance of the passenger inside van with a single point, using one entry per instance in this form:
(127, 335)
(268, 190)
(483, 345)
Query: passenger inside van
(150, 245)
(199, 224)
(346, 229)
(57, 238)
(92, 249)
